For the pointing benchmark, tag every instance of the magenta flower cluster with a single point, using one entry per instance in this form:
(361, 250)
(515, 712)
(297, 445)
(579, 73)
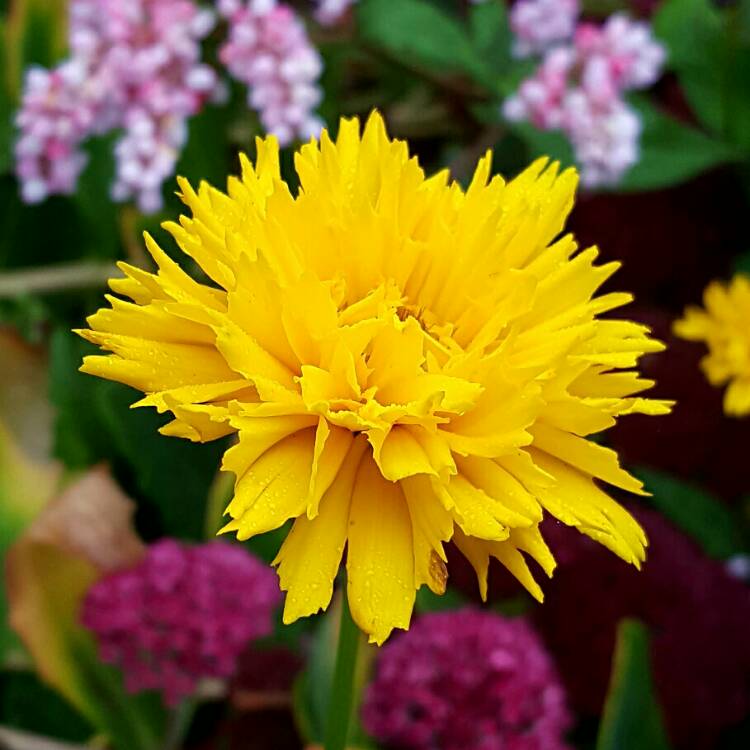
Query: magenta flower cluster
(136, 66)
(269, 51)
(580, 83)
(182, 614)
(466, 680)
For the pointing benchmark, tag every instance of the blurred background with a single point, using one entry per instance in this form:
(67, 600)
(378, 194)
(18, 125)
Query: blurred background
(103, 521)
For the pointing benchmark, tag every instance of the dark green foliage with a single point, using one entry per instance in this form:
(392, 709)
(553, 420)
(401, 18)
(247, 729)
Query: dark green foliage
(632, 718)
(170, 477)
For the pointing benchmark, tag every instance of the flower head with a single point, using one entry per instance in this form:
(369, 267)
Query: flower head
(725, 327)
(403, 361)
(467, 680)
(175, 617)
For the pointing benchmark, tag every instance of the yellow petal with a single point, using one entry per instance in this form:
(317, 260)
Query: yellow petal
(274, 489)
(154, 365)
(593, 459)
(577, 501)
(431, 526)
(398, 454)
(475, 511)
(513, 504)
(259, 434)
(380, 557)
(310, 556)
(332, 446)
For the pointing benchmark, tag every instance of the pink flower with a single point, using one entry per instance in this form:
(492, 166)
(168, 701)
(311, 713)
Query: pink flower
(466, 680)
(539, 24)
(540, 98)
(59, 108)
(633, 59)
(268, 50)
(182, 614)
(578, 88)
(604, 137)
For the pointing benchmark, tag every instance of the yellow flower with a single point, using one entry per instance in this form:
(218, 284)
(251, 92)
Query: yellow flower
(725, 327)
(404, 363)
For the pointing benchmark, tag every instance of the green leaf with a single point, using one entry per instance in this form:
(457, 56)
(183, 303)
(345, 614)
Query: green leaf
(93, 202)
(35, 33)
(742, 264)
(313, 687)
(419, 34)
(206, 155)
(631, 718)
(696, 512)
(172, 474)
(711, 56)
(428, 601)
(551, 143)
(671, 152)
(491, 35)
(28, 704)
(171, 477)
(79, 437)
(7, 105)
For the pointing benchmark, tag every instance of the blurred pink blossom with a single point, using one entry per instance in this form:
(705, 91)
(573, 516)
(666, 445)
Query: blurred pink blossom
(604, 136)
(467, 680)
(578, 88)
(268, 49)
(182, 614)
(136, 66)
(539, 24)
(540, 98)
(625, 49)
(59, 108)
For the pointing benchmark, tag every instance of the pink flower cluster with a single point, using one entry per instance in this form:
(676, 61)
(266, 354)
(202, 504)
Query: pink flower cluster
(268, 49)
(183, 613)
(59, 109)
(579, 86)
(537, 24)
(466, 680)
(136, 66)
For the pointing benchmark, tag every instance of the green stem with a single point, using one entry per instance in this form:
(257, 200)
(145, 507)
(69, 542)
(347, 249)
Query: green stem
(179, 723)
(341, 700)
(64, 277)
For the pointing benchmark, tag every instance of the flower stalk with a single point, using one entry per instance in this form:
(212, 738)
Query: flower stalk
(341, 700)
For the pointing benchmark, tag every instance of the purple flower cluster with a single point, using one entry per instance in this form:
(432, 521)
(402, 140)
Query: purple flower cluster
(268, 49)
(136, 66)
(579, 84)
(466, 680)
(182, 614)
